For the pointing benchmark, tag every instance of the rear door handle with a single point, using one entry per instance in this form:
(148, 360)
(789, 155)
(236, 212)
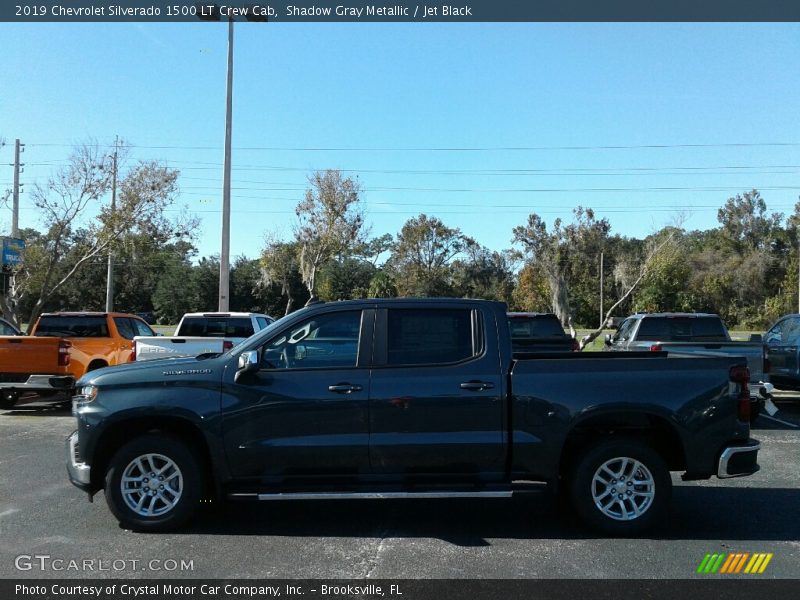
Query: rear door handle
(477, 385)
(344, 388)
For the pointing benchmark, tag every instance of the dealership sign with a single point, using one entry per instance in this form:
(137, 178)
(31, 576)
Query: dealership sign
(12, 251)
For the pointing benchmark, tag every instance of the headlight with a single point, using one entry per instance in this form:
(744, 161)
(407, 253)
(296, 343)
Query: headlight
(89, 392)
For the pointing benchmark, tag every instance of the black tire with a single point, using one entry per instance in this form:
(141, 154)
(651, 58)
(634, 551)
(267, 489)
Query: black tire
(8, 400)
(620, 517)
(189, 478)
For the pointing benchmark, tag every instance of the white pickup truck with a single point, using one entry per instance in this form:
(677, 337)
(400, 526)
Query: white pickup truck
(199, 333)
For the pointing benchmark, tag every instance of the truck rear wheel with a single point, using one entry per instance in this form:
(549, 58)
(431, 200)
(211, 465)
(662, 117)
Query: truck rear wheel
(621, 487)
(153, 483)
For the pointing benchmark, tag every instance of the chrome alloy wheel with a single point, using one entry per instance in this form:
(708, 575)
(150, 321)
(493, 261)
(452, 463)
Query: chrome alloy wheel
(623, 488)
(151, 485)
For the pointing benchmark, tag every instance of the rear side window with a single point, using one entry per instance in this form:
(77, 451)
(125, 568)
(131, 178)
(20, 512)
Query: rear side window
(72, 327)
(533, 327)
(124, 327)
(429, 336)
(216, 327)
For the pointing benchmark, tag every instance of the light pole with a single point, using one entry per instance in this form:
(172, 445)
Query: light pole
(213, 13)
(224, 259)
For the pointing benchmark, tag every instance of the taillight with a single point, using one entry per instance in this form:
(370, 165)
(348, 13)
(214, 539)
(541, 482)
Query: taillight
(132, 357)
(655, 348)
(767, 366)
(227, 345)
(741, 376)
(63, 353)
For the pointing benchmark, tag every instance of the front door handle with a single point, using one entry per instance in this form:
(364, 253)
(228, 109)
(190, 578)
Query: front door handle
(344, 388)
(477, 385)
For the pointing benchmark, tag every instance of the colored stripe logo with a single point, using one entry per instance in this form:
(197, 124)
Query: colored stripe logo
(734, 563)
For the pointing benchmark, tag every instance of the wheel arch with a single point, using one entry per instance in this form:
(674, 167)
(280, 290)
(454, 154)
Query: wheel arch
(122, 432)
(651, 429)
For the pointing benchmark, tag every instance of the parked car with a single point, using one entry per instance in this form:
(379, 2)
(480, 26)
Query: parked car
(407, 398)
(201, 333)
(539, 332)
(97, 339)
(782, 341)
(696, 333)
(33, 368)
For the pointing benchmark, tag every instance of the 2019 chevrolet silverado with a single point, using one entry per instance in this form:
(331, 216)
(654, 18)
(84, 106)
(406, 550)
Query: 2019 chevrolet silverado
(407, 398)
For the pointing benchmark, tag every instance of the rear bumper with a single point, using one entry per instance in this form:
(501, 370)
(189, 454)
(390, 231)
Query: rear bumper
(39, 384)
(739, 460)
(80, 474)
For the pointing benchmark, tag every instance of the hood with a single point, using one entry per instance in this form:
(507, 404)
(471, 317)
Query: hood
(158, 370)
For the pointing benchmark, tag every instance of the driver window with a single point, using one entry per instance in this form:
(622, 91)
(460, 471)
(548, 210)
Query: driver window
(774, 335)
(327, 341)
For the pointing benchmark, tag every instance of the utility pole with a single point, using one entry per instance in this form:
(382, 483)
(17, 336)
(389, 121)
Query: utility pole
(601, 291)
(15, 206)
(224, 259)
(110, 272)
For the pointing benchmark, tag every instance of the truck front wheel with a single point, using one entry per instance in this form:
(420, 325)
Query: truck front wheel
(153, 483)
(621, 487)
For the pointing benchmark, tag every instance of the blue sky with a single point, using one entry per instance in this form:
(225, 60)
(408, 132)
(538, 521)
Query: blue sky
(475, 123)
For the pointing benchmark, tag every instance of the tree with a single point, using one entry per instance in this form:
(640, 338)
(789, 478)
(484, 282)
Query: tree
(484, 273)
(346, 279)
(382, 285)
(71, 239)
(423, 254)
(560, 250)
(745, 221)
(330, 222)
(657, 245)
(279, 265)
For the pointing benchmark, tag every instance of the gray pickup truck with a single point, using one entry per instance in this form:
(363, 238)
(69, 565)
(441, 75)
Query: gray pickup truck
(407, 398)
(695, 333)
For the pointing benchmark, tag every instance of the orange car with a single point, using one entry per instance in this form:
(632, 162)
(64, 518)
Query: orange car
(98, 339)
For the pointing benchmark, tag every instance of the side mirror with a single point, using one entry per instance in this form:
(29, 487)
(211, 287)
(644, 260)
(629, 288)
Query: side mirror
(248, 363)
(756, 337)
(608, 339)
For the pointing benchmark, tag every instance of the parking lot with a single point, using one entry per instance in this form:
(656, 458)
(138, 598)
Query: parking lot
(41, 514)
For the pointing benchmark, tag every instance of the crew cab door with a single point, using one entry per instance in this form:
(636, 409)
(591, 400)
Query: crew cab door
(436, 395)
(303, 416)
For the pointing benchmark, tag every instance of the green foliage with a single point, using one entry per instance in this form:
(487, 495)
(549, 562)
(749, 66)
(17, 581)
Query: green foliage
(347, 279)
(423, 255)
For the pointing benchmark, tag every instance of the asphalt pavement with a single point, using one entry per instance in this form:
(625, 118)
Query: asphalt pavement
(42, 515)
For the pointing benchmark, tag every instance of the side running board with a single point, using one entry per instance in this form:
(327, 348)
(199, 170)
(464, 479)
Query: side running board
(368, 495)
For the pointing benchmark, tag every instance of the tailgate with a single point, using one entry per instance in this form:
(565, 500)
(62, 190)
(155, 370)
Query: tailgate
(24, 354)
(149, 348)
(753, 352)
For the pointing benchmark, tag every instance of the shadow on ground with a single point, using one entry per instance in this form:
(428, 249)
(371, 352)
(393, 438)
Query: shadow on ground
(701, 513)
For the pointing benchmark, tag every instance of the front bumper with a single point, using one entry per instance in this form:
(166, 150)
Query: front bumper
(739, 460)
(80, 474)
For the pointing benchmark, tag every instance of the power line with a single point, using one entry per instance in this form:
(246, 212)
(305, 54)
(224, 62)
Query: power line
(451, 148)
